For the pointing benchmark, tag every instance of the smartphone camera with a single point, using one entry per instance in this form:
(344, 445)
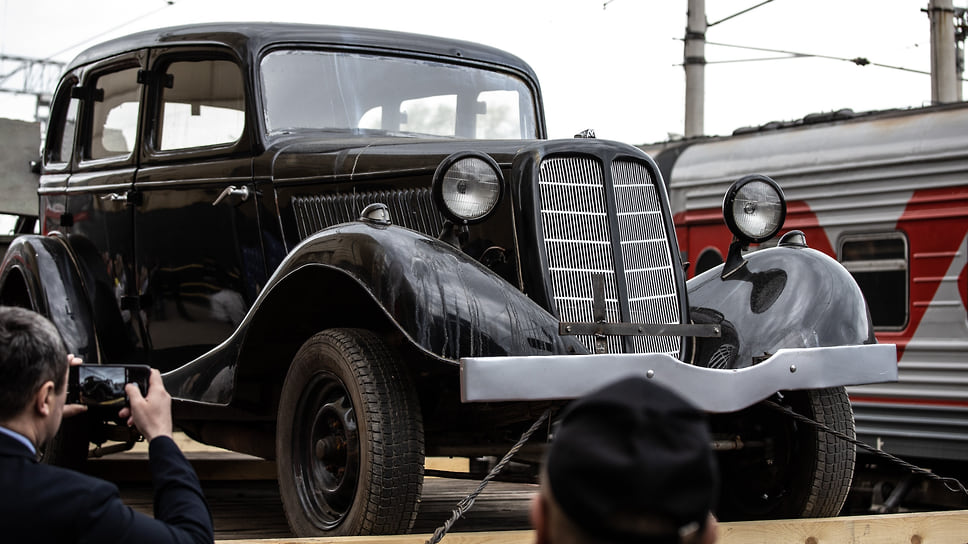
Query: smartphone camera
(103, 385)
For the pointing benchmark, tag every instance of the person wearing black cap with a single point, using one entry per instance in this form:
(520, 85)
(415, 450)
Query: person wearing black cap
(630, 462)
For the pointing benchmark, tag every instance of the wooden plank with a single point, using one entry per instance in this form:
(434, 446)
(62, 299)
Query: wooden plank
(914, 528)
(133, 467)
(253, 510)
(489, 537)
(213, 464)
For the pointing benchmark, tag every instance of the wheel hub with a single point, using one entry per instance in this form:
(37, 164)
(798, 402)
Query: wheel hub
(331, 450)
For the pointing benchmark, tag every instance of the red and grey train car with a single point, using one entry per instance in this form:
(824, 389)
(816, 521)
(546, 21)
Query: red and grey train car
(885, 193)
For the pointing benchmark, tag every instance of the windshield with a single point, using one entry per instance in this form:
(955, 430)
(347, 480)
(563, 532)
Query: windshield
(345, 92)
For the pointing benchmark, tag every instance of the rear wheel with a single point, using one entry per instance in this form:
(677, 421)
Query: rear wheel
(69, 447)
(349, 438)
(789, 469)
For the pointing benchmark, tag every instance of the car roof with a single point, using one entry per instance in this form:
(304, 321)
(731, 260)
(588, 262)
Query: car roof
(249, 38)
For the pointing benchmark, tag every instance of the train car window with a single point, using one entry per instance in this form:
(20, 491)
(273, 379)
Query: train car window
(879, 264)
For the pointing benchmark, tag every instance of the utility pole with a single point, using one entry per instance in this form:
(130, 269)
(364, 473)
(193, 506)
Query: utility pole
(695, 64)
(945, 77)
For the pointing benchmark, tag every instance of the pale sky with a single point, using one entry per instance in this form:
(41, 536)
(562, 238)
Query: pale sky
(611, 66)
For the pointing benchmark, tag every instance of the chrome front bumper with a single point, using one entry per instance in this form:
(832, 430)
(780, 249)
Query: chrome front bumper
(495, 379)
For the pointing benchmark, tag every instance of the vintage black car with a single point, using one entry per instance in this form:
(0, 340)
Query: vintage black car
(349, 249)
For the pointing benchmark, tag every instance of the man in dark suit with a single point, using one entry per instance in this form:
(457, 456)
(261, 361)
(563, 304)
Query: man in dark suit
(47, 504)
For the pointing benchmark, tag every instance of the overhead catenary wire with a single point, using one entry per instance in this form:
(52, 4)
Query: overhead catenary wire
(168, 3)
(859, 61)
(738, 13)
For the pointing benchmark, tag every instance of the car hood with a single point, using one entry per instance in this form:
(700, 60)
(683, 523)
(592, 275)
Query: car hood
(350, 159)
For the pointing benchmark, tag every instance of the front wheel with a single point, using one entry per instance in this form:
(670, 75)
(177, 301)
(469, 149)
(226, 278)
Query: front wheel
(787, 468)
(349, 438)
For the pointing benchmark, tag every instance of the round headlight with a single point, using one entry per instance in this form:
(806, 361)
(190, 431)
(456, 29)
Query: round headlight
(467, 187)
(754, 208)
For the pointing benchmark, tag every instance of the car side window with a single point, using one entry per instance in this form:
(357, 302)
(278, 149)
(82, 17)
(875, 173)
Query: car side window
(114, 122)
(498, 115)
(879, 264)
(203, 104)
(434, 115)
(62, 124)
(67, 132)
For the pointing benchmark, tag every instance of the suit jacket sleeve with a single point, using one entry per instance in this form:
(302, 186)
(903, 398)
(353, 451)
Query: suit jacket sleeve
(179, 501)
(181, 512)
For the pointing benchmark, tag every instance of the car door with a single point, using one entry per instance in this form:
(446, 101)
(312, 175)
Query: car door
(98, 207)
(198, 250)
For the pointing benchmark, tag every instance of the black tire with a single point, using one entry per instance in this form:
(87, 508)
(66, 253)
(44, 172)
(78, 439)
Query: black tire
(69, 447)
(349, 438)
(790, 469)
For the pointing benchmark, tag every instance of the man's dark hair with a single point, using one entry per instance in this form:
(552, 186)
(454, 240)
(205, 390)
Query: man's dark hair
(31, 353)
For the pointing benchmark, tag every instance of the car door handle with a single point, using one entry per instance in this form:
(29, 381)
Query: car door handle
(242, 192)
(115, 197)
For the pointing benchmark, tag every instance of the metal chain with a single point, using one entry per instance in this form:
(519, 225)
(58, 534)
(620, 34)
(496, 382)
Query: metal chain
(465, 504)
(951, 484)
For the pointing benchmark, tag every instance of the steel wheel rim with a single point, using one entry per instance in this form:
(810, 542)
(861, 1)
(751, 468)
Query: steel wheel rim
(326, 451)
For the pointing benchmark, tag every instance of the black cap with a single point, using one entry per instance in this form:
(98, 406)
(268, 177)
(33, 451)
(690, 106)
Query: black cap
(633, 461)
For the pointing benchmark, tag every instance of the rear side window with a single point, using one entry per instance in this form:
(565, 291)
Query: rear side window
(66, 134)
(202, 105)
(434, 115)
(114, 122)
(879, 264)
(497, 115)
(63, 122)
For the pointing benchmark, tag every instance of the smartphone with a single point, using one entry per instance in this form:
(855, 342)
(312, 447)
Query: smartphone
(103, 385)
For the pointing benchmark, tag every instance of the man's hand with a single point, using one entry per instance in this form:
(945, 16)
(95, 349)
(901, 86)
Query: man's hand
(150, 414)
(74, 409)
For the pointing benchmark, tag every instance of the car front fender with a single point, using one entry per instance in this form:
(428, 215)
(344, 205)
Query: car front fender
(782, 297)
(445, 302)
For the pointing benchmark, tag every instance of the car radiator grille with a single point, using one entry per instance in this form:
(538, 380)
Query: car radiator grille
(411, 208)
(614, 227)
